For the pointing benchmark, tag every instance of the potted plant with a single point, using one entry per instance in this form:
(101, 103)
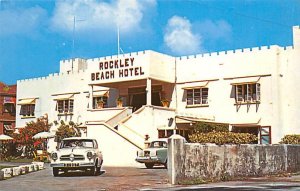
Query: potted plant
(119, 102)
(100, 104)
(165, 102)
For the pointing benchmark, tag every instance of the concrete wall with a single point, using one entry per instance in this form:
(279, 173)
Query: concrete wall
(189, 161)
(116, 150)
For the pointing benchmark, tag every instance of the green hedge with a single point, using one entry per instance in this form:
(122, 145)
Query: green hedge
(206, 127)
(220, 138)
(290, 139)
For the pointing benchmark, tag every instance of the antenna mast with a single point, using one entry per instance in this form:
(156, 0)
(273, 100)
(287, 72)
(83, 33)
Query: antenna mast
(73, 45)
(118, 38)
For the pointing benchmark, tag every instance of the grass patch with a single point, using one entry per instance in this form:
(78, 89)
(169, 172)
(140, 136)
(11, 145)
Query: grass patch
(2, 167)
(194, 181)
(19, 160)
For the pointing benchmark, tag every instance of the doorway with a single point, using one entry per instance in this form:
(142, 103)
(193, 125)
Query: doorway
(138, 96)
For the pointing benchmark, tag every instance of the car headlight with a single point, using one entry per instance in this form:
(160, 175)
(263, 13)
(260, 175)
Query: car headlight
(54, 156)
(89, 155)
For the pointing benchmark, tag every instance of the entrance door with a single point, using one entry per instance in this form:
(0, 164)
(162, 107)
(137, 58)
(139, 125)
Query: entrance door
(138, 100)
(138, 96)
(155, 99)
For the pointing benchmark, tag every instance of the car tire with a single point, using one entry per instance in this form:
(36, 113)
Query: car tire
(99, 168)
(166, 164)
(149, 165)
(55, 171)
(94, 170)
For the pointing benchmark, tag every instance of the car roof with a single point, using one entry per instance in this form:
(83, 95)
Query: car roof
(78, 138)
(160, 139)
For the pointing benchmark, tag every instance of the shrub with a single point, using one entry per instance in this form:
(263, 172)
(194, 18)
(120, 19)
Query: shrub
(290, 139)
(220, 138)
(206, 127)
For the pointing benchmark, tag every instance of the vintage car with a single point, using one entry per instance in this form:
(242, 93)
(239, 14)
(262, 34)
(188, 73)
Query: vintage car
(77, 153)
(156, 154)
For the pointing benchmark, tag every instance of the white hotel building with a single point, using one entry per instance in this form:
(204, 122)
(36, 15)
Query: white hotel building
(252, 90)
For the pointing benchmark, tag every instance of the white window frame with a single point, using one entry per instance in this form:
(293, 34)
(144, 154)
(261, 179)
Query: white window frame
(247, 93)
(65, 106)
(27, 110)
(198, 97)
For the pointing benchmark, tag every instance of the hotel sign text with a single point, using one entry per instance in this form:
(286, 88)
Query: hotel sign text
(120, 68)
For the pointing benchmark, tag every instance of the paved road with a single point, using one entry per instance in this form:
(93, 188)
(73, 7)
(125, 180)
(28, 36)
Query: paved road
(111, 178)
(125, 178)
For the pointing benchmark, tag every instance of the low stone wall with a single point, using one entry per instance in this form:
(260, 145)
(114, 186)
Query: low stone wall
(190, 161)
(20, 170)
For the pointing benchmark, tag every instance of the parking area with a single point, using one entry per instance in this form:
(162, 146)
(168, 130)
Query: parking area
(111, 178)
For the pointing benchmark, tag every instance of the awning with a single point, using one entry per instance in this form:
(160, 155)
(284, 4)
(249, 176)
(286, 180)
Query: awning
(249, 80)
(8, 127)
(197, 85)
(64, 97)
(185, 119)
(101, 94)
(27, 101)
(165, 127)
(246, 121)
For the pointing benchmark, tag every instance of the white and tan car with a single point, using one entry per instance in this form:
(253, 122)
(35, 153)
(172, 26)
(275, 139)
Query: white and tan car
(77, 153)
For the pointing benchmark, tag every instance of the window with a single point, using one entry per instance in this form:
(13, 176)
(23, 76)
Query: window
(197, 96)
(98, 100)
(247, 92)
(265, 135)
(9, 108)
(65, 106)
(165, 133)
(27, 110)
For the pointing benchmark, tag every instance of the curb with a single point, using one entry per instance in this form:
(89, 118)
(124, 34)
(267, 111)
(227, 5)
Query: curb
(20, 170)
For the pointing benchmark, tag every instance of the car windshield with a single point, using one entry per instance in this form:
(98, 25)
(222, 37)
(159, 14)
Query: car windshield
(77, 143)
(158, 144)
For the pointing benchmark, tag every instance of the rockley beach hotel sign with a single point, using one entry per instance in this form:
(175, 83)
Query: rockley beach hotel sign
(119, 68)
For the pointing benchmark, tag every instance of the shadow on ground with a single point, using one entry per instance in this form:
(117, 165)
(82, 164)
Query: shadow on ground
(79, 173)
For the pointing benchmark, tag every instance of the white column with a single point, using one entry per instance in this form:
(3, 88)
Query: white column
(149, 91)
(91, 90)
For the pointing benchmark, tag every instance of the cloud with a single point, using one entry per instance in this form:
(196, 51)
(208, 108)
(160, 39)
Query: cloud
(91, 15)
(21, 21)
(214, 30)
(179, 37)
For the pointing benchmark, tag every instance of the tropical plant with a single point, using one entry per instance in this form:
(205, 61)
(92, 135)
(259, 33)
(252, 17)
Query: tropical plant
(205, 132)
(165, 102)
(290, 139)
(23, 138)
(206, 127)
(220, 138)
(67, 130)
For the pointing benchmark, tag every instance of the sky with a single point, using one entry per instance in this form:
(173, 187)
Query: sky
(36, 34)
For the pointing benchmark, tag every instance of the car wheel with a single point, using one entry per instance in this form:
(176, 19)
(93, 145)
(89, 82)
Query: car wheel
(166, 165)
(149, 165)
(94, 170)
(55, 171)
(99, 168)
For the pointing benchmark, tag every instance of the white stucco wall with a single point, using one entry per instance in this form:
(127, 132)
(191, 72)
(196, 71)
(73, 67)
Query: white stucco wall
(116, 150)
(44, 88)
(276, 67)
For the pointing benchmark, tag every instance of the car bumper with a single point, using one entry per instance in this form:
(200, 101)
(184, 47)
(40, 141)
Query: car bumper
(148, 159)
(73, 164)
